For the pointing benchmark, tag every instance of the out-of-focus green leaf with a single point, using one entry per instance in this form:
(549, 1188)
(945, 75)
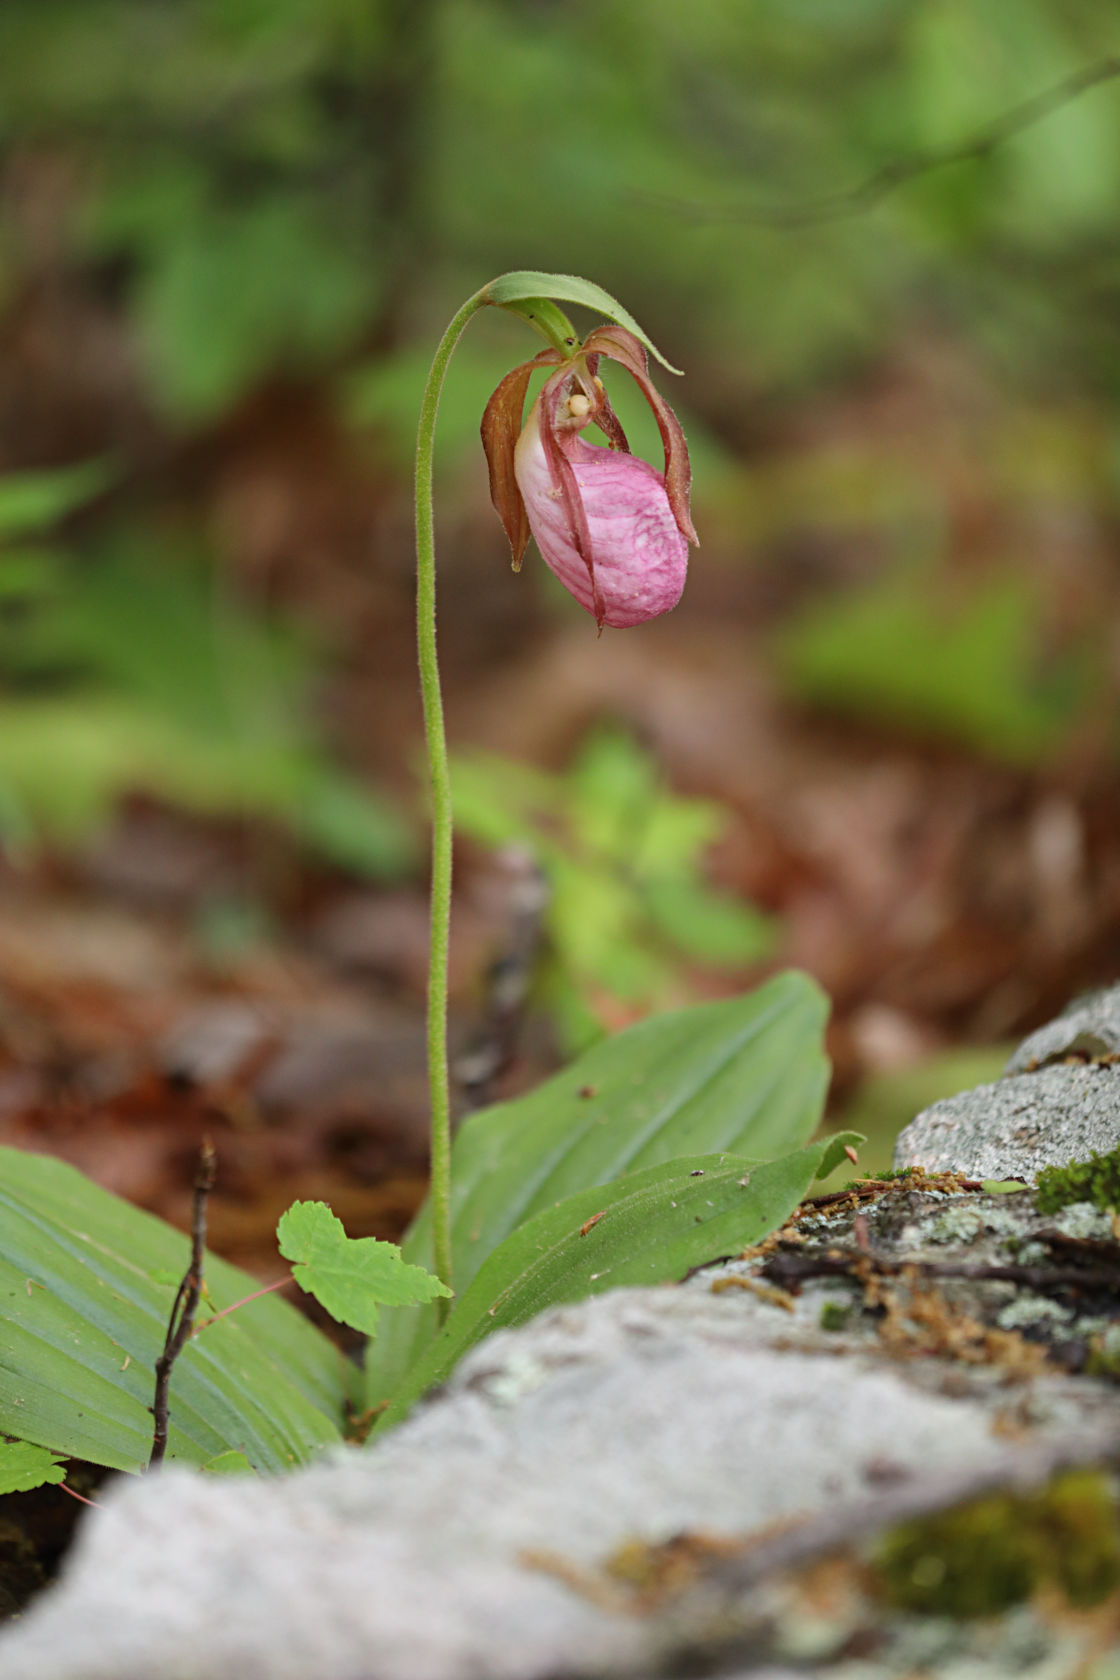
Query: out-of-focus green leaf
(351, 1276)
(23, 1467)
(174, 689)
(31, 502)
(624, 860)
(972, 669)
(713, 927)
(353, 826)
(646, 1228)
(234, 296)
(28, 573)
(82, 1322)
(746, 1075)
(64, 763)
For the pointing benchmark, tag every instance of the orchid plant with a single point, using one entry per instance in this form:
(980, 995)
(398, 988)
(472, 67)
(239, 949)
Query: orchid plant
(683, 1137)
(610, 526)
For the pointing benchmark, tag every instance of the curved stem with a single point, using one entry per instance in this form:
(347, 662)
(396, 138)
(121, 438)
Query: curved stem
(440, 783)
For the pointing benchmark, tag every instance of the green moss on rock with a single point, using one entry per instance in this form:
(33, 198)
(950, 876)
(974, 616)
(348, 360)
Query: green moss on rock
(984, 1557)
(1096, 1180)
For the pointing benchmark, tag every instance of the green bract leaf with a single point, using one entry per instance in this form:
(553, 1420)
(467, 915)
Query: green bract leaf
(82, 1323)
(650, 1227)
(529, 285)
(350, 1276)
(24, 1466)
(550, 322)
(746, 1075)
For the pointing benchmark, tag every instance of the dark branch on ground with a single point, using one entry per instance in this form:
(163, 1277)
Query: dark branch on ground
(897, 172)
(871, 1189)
(1102, 1270)
(181, 1322)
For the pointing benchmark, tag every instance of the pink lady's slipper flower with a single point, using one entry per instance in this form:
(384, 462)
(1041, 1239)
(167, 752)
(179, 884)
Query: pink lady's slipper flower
(612, 528)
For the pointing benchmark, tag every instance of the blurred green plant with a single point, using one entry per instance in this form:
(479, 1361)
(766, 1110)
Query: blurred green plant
(265, 181)
(127, 670)
(968, 663)
(630, 908)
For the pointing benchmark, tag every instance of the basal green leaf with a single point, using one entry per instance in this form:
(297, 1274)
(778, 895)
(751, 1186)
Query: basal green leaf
(350, 1276)
(525, 284)
(24, 1466)
(746, 1075)
(82, 1323)
(650, 1227)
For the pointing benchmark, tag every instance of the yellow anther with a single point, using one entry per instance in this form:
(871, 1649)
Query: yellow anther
(578, 405)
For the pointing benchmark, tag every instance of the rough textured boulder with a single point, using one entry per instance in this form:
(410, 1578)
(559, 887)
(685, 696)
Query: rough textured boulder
(1059, 1101)
(694, 1478)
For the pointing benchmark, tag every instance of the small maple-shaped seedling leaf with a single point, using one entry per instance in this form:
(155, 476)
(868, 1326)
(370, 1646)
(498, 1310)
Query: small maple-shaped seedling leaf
(24, 1466)
(350, 1276)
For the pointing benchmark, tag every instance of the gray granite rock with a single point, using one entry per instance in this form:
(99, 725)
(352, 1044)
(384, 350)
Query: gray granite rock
(634, 1415)
(472, 1541)
(1089, 1029)
(1012, 1128)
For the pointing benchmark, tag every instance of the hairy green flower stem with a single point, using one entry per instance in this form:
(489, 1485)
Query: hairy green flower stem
(557, 329)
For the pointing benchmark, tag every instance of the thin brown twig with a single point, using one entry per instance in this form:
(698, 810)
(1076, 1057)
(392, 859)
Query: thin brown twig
(185, 1305)
(897, 172)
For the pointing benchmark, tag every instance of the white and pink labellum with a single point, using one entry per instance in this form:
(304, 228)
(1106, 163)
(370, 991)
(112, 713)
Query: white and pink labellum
(631, 562)
(613, 529)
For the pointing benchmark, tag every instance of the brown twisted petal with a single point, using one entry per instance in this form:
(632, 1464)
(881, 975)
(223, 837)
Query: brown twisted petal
(501, 428)
(603, 414)
(621, 346)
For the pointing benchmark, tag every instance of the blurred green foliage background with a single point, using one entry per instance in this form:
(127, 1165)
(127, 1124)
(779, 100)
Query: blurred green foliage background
(217, 213)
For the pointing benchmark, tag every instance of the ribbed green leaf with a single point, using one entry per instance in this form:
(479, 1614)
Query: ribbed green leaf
(83, 1319)
(746, 1075)
(650, 1227)
(526, 284)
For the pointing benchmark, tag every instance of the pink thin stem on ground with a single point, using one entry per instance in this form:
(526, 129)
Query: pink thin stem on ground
(281, 1283)
(81, 1497)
